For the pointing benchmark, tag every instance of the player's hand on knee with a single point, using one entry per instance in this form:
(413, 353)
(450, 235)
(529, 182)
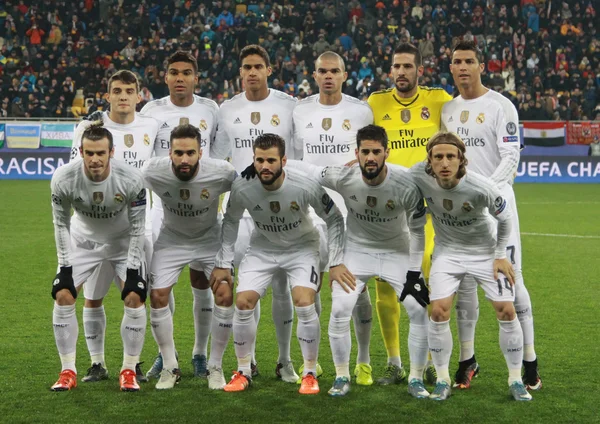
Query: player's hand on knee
(505, 267)
(250, 172)
(64, 280)
(341, 275)
(217, 276)
(136, 284)
(415, 286)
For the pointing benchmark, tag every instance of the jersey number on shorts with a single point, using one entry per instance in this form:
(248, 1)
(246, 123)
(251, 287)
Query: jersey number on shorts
(507, 286)
(314, 276)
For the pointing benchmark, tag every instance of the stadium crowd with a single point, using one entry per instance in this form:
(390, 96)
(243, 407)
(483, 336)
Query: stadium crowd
(543, 55)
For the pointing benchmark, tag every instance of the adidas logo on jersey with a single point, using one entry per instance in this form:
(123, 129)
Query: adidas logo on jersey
(164, 125)
(386, 117)
(353, 197)
(166, 194)
(450, 119)
(309, 125)
(78, 200)
(237, 121)
(257, 208)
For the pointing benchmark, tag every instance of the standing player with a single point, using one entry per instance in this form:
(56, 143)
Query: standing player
(133, 137)
(284, 240)
(325, 127)
(107, 227)
(468, 242)
(488, 124)
(182, 107)
(410, 114)
(383, 204)
(189, 186)
(256, 111)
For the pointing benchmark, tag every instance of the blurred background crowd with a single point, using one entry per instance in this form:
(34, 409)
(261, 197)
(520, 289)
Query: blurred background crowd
(56, 56)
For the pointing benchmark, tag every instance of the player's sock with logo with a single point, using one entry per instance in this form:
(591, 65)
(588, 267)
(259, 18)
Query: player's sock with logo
(511, 343)
(283, 318)
(133, 330)
(467, 314)
(256, 321)
(244, 337)
(94, 327)
(440, 345)
(66, 330)
(309, 335)
(417, 337)
(362, 315)
(203, 315)
(339, 335)
(161, 322)
(525, 315)
(221, 330)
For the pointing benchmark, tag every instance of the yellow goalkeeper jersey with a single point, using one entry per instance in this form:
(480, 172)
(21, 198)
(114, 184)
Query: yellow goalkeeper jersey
(410, 122)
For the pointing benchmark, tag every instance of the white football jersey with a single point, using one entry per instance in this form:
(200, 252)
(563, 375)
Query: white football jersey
(103, 211)
(462, 216)
(327, 134)
(241, 121)
(134, 142)
(489, 126)
(190, 207)
(281, 217)
(378, 216)
(202, 113)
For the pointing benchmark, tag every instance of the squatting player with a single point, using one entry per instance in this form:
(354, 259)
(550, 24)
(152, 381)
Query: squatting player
(133, 136)
(385, 238)
(107, 227)
(284, 240)
(472, 226)
(488, 124)
(182, 107)
(410, 114)
(256, 111)
(189, 187)
(325, 126)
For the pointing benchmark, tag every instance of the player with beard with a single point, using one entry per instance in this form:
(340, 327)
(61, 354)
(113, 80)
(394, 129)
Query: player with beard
(189, 186)
(182, 107)
(284, 240)
(384, 238)
(410, 115)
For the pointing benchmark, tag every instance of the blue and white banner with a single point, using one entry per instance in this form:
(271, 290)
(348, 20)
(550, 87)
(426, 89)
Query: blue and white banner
(23, 136)
(558, 169)
(57, 135)
(1, 135)
(31, 164)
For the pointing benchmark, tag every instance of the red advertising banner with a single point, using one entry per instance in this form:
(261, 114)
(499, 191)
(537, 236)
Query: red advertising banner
(583, 132)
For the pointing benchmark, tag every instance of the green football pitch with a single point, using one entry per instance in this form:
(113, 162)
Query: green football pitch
(561, 247)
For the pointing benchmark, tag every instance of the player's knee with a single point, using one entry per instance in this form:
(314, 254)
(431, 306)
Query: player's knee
(93, 303)
(132, 300)
(64, 298)
(224, 296)
(505, 311)
(244, 303)
(158, 299)
(439, 313)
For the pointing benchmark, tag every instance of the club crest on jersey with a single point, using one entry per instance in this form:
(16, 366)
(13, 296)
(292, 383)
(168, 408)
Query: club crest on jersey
(346, 125)
(118, 198)
(467, 207)
(447, 204)
(184, 121)
(480, 118)
(98, 197)
(275, 121)
(203, 125)
(425, 113)
(128, 140)
(390, 205)
(255, 118)
(464, 116)
(204, 194)
(146, 139)
(372, 201)
(405, 115)
(326, 123)
(275, 207)
(184, 193)
(294, 207)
